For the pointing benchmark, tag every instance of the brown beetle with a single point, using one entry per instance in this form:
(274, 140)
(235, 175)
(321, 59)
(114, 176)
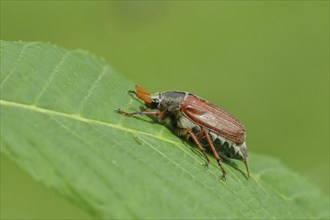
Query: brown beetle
(206, 124)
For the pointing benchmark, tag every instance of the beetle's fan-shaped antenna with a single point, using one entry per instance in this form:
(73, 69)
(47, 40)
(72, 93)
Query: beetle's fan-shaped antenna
(142, 94)
(139, 89)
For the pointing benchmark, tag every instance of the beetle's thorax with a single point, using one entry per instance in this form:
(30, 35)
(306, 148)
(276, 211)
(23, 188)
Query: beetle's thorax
(171, 101)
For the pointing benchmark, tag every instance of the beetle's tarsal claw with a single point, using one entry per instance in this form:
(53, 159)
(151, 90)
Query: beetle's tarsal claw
(222, 177)
(123, 113)
(206, 164)
(131, 92)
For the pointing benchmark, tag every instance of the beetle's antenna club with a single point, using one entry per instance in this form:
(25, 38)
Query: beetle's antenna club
(142, 94)
(139, 89)
(246, 162)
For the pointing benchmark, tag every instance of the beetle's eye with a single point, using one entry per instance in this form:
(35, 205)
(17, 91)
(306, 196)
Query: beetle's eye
(154, 103)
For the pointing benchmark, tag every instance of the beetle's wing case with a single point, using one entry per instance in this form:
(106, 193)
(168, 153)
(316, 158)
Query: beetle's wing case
(213, 118)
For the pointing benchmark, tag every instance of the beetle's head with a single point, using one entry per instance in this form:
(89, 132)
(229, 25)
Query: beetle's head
(151, 100)
(155, 100)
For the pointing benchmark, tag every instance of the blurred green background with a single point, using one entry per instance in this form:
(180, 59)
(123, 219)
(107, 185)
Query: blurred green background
(267, 62)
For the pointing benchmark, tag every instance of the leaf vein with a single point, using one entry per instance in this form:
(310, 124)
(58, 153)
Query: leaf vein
(19, 57)
(90, 91)
(51, 77)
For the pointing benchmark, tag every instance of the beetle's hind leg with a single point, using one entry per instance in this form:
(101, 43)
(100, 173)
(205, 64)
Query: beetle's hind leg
(193, 137)
(209, 141)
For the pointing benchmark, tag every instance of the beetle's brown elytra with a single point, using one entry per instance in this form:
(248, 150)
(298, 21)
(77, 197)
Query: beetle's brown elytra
(206, 124)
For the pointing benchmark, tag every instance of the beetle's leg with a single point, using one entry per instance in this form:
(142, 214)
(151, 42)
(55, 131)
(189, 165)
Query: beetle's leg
(131, 91)
(199, 146)
(209, 141)
(158, 113)
(137, 113)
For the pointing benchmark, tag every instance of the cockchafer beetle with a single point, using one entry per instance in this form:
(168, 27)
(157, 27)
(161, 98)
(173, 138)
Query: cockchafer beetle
(193, 117)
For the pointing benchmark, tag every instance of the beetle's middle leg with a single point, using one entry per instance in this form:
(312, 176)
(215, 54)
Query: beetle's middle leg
(191, 134)
(209, 141)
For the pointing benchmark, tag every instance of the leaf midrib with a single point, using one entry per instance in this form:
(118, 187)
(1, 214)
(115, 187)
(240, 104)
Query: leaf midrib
(80, 118)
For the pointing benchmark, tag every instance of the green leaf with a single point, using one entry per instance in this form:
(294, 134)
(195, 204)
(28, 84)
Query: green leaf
(58, 123)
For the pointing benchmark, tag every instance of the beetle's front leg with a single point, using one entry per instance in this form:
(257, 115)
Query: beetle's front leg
(157, 113)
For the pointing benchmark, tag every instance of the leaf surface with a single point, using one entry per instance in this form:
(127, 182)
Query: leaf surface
(58, 123)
